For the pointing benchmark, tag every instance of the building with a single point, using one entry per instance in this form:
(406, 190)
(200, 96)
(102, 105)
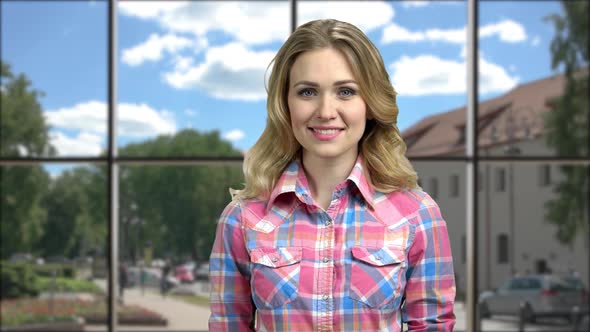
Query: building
(512, 196)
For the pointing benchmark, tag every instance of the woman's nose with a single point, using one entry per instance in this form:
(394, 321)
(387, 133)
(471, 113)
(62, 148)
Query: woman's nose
(327, 109)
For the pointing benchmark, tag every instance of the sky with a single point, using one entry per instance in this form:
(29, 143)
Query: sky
(201, 65)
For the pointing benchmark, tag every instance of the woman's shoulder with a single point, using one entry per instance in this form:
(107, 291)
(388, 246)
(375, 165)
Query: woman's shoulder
(240, 206)
(409, 199)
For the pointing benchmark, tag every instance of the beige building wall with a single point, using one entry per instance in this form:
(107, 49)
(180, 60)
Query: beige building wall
(534, 237)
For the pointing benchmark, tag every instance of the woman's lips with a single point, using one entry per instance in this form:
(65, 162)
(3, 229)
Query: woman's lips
(325, 134)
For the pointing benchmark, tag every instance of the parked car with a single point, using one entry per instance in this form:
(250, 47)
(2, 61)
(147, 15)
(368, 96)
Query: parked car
(533, 296)
(202, 272)
(184, 272)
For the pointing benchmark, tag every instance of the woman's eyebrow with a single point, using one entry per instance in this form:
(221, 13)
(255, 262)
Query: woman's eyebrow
(314, 84)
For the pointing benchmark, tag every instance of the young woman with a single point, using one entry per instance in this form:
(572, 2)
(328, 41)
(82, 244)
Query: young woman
(331, 232)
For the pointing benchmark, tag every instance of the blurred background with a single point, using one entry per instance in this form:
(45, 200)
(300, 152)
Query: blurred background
(190, 86)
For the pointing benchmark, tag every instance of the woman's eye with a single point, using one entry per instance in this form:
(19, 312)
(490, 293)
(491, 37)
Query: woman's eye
(306, 92)
(347, 92)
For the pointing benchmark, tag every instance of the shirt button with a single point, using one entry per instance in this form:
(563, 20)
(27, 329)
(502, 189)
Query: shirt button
(326, 297)
(328, 222)
(274, 259)
(326, 259)
(378, 258)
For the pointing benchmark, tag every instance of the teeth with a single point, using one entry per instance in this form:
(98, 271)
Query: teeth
(325, 131)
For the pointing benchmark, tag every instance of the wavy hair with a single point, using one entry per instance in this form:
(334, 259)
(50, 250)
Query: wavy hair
(381, 145)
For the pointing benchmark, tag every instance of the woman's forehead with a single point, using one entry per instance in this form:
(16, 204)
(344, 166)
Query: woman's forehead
(326, 64)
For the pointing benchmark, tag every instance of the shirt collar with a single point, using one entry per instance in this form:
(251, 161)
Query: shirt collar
(293, 180)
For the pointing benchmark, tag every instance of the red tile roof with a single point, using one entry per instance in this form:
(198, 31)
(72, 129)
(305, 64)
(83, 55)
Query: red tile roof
(517, 113)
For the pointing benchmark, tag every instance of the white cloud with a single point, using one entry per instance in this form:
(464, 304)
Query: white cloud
(507, 31)
(228, 72)
(135, 120)
(89, 120)
(154, 47)
(234, 135)
(140, 120)
(429, 74)
(367, 15)
(395, 33)
(82, 145)
(536, 41)
(249, 23)
(88, 117)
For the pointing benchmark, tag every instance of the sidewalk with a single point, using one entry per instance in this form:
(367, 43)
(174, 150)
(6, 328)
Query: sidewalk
(181, 316)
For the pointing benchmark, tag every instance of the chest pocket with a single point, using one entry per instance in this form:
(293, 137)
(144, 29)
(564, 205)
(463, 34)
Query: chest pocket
(376, 275)
(275, 275)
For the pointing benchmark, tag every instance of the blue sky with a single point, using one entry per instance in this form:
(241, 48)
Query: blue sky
(201, 64)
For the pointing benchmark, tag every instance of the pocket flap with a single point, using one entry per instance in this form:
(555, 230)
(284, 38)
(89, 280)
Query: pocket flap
(379, 256)
(275, 257)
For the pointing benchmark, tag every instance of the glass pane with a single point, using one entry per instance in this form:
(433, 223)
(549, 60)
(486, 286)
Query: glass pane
(526, 106)
(437, 180)
(53, 79)
(54, 243)
(541, 227)
(423, 47)
(168, 217)
(197, 66)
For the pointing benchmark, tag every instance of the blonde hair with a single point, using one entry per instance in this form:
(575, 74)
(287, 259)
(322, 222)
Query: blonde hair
(381, 145)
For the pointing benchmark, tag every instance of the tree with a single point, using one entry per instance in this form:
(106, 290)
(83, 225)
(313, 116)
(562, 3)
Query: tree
(76, 219)
(23, 133)
(178, 205)
(568, 125)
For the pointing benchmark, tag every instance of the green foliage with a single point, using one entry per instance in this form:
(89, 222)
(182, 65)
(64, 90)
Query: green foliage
(567, 125)
(17, 280)
(73, 228)
(177, 206)
(47, 284)
(23, 133)
(59, 270)
(24, 130)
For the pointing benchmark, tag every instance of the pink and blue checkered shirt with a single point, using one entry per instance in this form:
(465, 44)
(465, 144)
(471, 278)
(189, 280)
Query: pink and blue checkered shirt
(370, 262)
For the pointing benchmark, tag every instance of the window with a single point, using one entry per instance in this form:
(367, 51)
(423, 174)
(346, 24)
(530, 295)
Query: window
(434, 188)
(502, 248)
(544, 175)
(454, 185)
(500, 179)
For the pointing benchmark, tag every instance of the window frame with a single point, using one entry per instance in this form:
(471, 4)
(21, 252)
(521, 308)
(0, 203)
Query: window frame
(472, 160)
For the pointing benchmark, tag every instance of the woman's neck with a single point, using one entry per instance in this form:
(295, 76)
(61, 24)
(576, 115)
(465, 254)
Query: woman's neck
(324, 174)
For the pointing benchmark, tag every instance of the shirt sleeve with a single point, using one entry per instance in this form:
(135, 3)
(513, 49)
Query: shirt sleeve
(430, 279)
(230, 298)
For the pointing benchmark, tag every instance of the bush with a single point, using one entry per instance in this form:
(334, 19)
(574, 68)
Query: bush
(60, 270)
(17, 280)
(45, 284)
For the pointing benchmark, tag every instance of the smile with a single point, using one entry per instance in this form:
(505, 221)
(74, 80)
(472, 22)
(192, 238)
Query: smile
(325, 134)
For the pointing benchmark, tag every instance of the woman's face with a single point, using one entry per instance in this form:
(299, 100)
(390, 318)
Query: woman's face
(328, 115)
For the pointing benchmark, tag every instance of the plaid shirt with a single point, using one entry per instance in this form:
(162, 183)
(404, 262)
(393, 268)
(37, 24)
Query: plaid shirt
(368, 263)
